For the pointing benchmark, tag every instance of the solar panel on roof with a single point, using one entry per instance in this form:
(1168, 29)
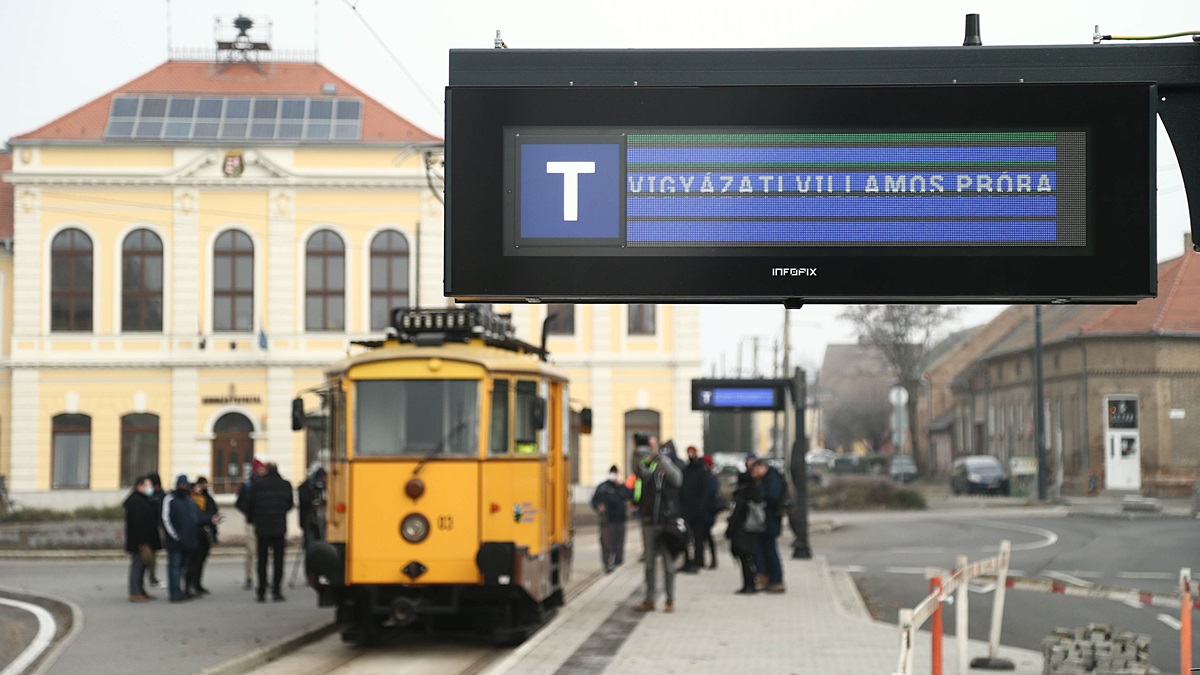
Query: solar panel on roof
(261, 118)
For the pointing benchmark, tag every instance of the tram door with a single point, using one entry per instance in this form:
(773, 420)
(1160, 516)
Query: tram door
(232, 452)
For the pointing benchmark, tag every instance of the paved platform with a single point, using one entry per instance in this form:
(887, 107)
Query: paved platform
(818, 626)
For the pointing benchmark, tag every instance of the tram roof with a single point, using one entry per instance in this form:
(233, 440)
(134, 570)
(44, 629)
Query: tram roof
(491, 357)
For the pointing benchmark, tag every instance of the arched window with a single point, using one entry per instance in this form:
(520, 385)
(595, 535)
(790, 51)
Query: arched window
(142, 282)
(325, 282)
(71, 281)
(389, 276)
(139, 446)
(233, 282)
(71, 452)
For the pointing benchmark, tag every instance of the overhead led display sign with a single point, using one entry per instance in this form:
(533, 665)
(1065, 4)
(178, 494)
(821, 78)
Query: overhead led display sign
(739, 395)
(985, 192)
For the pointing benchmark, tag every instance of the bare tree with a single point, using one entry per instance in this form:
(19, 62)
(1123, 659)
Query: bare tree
(902, 334)
(859, 413)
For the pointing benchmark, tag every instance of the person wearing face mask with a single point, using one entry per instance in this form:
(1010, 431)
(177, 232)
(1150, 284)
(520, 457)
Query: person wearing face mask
(141, 529)
(609, 501)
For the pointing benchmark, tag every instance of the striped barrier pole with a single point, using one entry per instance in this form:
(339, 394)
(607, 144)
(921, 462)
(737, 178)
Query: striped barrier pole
(960, 613)
(935, 588)
(1185, 621)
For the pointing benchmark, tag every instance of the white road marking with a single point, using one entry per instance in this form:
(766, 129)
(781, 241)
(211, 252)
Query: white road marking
(1130, 602)
(1170, 621)
(916, 549)
(855, 569)
(1070, 579)
(982, 588)
(1048, 538)
(1156, 576)
(40, 643)
(905, 570)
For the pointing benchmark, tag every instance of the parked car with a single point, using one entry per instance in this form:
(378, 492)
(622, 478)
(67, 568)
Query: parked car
(978, 473)
(846, 464)
(903, 468)
(817, 463)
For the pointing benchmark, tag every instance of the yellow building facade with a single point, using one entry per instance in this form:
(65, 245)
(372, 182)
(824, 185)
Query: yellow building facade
(174, 286)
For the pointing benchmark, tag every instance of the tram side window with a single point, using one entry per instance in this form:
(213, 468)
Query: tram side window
(498, 430)
(407, 418)
(526, 429)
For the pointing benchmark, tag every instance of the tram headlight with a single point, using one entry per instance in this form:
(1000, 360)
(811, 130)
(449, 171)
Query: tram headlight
(414, 528)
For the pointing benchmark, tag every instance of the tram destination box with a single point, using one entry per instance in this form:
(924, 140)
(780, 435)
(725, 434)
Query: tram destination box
(799, 193)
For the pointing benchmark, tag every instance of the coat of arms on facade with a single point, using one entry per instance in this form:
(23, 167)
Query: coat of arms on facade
(234, 165)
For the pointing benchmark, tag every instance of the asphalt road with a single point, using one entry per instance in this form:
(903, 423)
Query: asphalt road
(888, 554)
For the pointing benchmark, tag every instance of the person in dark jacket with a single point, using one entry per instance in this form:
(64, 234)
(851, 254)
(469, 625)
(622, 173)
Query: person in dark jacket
(694, 500)
(156, 544)
(181, 524)
(311, 495)
(609, 501)
(742, 543)
(270, 500)
(657, 494)
(258, 469)
(205, 537)
(774, 490)
(141, 531)
(713, 505)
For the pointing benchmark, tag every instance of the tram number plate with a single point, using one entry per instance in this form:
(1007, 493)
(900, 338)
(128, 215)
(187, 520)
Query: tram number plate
(445, 522)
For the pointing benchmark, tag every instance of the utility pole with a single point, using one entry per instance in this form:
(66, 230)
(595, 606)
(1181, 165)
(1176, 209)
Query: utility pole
(1039, 415)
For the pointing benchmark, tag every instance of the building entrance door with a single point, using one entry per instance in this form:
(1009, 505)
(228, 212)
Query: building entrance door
(232, 452)
(1122, 446)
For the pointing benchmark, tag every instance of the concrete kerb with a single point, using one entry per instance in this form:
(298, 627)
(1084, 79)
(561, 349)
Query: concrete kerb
(47, 659)
(272, 650)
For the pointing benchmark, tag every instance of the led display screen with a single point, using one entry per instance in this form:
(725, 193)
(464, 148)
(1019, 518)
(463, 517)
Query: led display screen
(739, 394)
(995, 193)
(612, 190)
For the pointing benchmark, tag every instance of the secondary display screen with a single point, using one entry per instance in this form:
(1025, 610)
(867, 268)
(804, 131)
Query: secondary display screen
(739, 394)
(654, 188)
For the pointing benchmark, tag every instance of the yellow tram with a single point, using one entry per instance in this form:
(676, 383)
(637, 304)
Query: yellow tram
(447, 499)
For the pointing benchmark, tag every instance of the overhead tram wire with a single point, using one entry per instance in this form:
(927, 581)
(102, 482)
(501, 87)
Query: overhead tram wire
(395, 59)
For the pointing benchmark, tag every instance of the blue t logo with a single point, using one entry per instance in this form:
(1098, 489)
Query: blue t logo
(570, 190)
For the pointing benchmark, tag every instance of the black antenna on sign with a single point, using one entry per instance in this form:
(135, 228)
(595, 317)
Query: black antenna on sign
(972, 39)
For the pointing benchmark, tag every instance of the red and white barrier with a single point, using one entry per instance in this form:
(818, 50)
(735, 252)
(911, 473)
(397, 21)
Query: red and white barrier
(943, 583)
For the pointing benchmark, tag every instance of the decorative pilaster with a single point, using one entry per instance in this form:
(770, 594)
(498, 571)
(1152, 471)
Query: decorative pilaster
(27, 450)
(281, 440)
(186, 258)
(189, 451)
(280, 319)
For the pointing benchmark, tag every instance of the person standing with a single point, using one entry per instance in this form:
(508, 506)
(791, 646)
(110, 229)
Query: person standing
(658, 480)
(141, 530)
(609, 501)
(742, 542)
(713, 506)
(694, 500)
(181, 524)
(270, 500)
(206, 536)
(156, 544)
(774, 491)
(311, 495)
(258, 468)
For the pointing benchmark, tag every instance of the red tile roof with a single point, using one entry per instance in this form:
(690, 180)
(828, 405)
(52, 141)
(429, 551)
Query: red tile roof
(1176, 312)
(6, 198)
(87, 123)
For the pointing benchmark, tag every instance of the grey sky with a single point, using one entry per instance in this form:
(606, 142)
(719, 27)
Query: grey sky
(59, 54)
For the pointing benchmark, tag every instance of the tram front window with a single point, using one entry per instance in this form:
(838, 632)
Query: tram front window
(414, 418)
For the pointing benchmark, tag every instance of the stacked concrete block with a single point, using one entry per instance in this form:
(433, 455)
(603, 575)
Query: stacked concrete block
(1098, 649)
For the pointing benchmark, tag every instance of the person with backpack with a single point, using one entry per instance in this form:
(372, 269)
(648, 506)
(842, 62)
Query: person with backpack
(773, 488)
(657, 496)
